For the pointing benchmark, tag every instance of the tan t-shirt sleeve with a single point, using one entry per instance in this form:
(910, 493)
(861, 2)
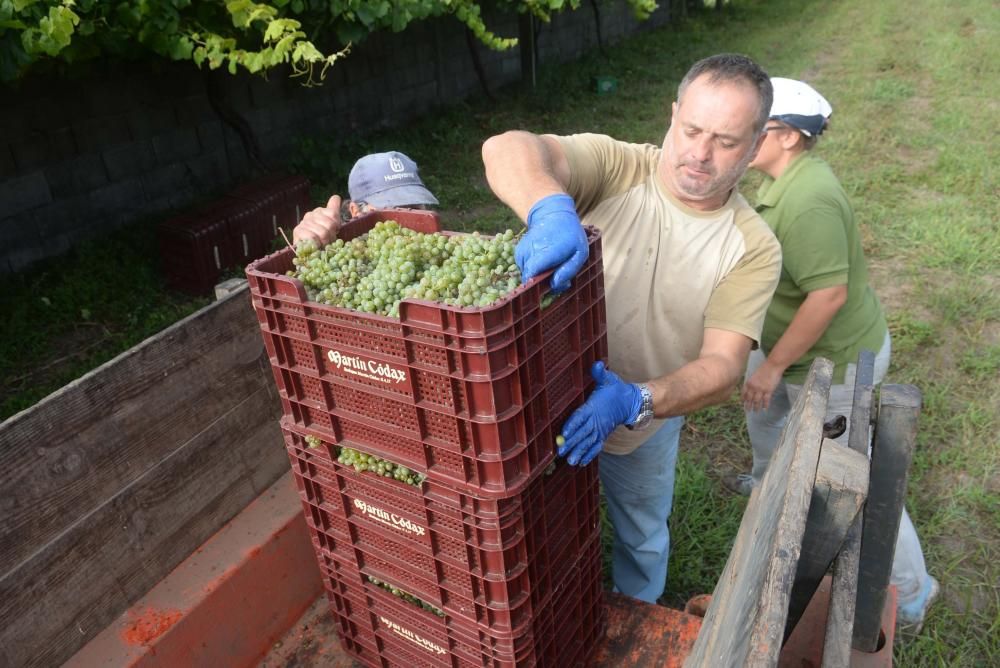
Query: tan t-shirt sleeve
(602, 167)
(739, 303)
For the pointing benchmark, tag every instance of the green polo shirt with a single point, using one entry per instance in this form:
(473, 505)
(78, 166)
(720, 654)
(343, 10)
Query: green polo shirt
(808, 211)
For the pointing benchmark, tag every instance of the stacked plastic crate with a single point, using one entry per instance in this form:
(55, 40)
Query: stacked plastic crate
(197, 247)
(490, 556)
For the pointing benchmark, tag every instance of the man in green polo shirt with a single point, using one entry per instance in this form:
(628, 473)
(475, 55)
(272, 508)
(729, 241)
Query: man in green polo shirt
(823, 307)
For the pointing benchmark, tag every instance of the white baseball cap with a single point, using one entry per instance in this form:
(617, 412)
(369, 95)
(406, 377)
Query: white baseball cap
(797, 104)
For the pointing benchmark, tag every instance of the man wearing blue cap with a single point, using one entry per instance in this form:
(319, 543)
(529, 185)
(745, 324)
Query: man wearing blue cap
(377, 181)
(823, 307)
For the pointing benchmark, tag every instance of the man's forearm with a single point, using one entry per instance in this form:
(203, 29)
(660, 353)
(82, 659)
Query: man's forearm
(520, 170)
(706, 381)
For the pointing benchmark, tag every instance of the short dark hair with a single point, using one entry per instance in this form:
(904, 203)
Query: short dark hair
(733, 67)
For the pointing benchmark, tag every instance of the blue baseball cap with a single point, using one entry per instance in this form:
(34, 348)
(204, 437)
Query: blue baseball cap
(388, 180)
(798, 105)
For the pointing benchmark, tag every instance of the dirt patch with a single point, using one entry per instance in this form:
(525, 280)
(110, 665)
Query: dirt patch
(312, 642)
(149, 624)
(887, 278)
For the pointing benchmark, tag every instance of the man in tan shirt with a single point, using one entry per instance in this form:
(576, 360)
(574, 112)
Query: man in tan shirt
(689, 271)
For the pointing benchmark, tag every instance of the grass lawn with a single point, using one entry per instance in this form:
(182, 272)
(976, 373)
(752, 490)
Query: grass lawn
(915, 93)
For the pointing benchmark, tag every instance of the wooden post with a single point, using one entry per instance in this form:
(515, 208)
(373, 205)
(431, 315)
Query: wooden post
(745, 621)
(840, 490)
(844, 589)
(892, 451)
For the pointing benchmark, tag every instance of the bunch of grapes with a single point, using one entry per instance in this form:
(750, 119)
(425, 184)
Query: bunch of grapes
(409, 598)
(364, 462)
(373, 272)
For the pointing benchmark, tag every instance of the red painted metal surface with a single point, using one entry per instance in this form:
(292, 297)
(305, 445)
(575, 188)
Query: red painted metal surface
(804, 648)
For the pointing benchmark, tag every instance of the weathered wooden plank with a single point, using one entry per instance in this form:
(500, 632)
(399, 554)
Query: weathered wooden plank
(892, 451)
(745, 621)
(51, 604)
(68, 454)
(839, 492)
(844, 586)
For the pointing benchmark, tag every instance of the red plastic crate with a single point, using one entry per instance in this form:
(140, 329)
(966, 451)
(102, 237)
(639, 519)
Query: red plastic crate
(278, 200)
(380, 629)
(466, 395)
(197, 247)
(492, 561)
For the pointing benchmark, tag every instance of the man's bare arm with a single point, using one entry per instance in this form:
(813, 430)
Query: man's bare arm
(708, 380)
(522, 168)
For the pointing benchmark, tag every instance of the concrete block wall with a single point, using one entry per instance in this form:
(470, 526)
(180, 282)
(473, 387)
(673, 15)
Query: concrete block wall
(87, 151)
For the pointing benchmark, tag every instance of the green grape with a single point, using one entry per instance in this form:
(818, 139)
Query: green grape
(375, 271)
(363, 462)
(406, 596)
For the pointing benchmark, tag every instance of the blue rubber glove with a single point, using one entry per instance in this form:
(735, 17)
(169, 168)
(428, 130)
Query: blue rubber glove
(614, 402)
(555, 239)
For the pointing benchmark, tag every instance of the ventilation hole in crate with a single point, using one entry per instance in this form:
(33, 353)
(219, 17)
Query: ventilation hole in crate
(561, 389)
(436, 358)
(379, 409)
(558, 315)
(317, 419)
(442, 522)
(336, 544)
(473, 558)
(590, 324)
(433, 388)
(538, 416)
(452, 549)
(353, 320)
(291, 324)
(336, 524)
(424, 335)
(325, 479)
(417, 562)
(461, 403)
(468, 439)
(302, 354)
(408, 579)
(311, 388)
(558, 351)
(369, 341)
(441, 427)
(457, 579)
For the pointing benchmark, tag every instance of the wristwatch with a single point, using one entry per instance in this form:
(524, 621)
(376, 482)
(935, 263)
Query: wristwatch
(646, 411)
